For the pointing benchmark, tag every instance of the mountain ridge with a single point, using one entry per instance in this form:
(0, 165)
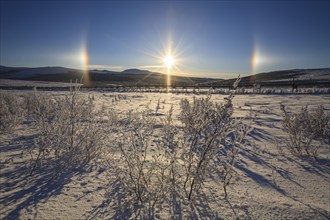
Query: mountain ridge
(134, 76)
(97, 77)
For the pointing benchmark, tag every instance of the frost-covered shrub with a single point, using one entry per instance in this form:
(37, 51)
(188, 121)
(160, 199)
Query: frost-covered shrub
(69, 133)
(143, 167)
(307, 130)
(211, 139)
(158, 162)
(36, 104)
(11, 112)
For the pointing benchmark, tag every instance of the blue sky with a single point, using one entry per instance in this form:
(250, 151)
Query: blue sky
(206, 38)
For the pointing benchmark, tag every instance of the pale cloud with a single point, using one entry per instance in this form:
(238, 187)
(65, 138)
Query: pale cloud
(151, 67)
(105, 67)
(210, 75)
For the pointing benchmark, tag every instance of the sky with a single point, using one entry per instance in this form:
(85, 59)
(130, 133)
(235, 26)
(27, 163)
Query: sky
(206, 38)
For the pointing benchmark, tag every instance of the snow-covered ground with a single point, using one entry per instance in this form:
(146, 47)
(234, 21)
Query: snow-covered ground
(315, 74)
(270, 186)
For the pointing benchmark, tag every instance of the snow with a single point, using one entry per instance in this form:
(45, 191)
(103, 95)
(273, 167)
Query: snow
(271, 186)
(318, 74)
(315, 74)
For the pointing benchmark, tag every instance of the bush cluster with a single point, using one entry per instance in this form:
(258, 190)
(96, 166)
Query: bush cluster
(11, 113)
(307, 130)
(177, 159)
(154, 160)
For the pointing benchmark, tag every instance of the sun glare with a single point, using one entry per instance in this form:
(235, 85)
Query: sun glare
(169, 61)
(84, 60)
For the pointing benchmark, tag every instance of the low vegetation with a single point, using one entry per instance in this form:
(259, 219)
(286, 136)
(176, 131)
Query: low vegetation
(11, 114)
(70, 134)
(307, 130)
(156, 160)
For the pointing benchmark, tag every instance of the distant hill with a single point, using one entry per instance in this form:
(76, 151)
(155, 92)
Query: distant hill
(139, 77)
(136, 71)
(6, 69)
(102, 71)
(319, 76)
(26, 73)
(97, 77)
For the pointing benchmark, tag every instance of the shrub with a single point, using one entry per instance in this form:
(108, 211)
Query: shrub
(159, 163)
(179, 159)
(11, 112)
(36, 104)
(211, 139)
(69, 132)
(307, 130)
(143, 168)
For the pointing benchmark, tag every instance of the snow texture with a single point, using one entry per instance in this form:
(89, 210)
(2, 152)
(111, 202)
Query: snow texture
(270, 186)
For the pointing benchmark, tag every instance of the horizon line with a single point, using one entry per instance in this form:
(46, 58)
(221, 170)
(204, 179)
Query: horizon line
(198, 75)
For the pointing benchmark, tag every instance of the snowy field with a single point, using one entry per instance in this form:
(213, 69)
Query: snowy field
(268, 184)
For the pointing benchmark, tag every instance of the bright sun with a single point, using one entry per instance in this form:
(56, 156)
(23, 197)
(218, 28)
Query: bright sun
(169, 61)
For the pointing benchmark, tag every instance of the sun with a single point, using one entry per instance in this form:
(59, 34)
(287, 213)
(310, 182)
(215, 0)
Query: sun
(169, 61)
